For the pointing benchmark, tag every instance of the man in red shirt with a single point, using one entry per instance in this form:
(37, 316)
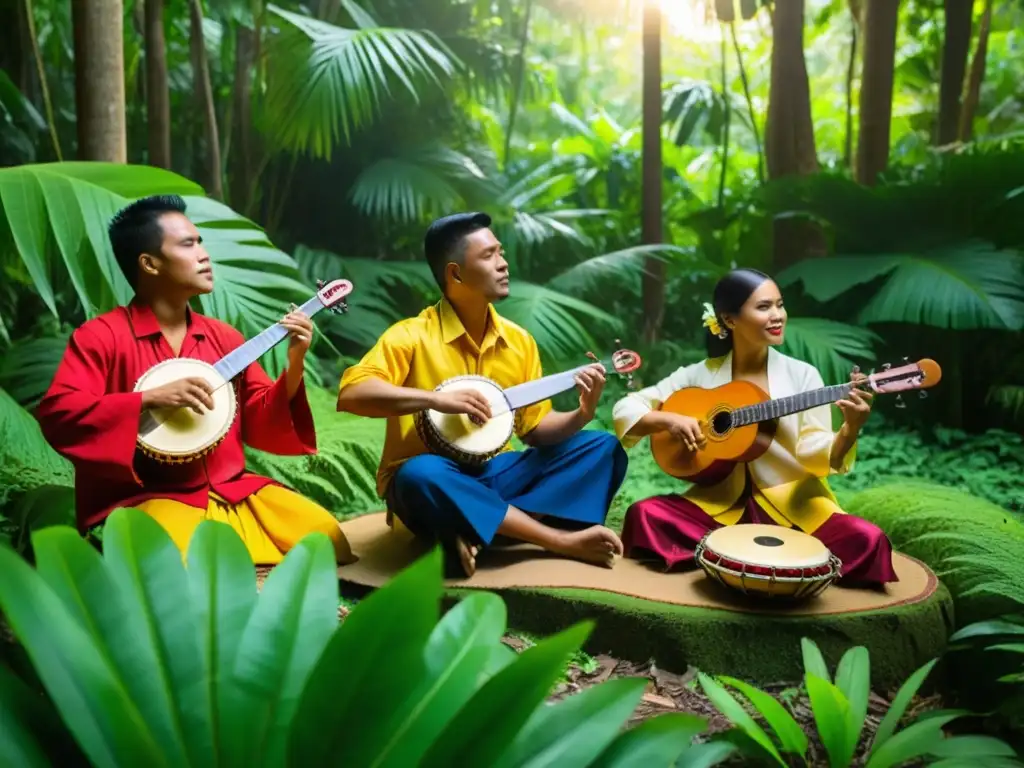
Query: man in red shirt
(91, 416)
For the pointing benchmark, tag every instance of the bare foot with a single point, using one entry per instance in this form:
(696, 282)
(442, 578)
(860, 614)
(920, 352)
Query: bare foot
(467, 556)
(597, 544)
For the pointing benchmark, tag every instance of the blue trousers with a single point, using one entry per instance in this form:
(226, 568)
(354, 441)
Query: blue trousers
(571, 483)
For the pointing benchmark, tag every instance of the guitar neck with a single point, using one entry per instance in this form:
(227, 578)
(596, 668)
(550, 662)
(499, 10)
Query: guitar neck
(239, 359)
(784, 406)
(541, 389)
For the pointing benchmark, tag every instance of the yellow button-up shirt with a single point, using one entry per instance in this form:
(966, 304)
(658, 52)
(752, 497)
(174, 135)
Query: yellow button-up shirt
(426, 350)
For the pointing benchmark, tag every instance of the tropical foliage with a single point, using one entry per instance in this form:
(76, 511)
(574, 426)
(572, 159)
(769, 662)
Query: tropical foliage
(840, 706)
(214, 662)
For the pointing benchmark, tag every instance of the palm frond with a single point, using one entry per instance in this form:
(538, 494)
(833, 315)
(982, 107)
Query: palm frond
(411, 186)
(966, 286)
(561, 324)
(587, 275)
(831, 347)
(328, 81)
(374, 285)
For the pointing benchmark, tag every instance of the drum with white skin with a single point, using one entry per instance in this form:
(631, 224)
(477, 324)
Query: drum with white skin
(178, 435)
(454, 436)
(768, 561)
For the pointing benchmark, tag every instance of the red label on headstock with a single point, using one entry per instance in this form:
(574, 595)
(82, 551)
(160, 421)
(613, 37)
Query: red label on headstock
(334, 291)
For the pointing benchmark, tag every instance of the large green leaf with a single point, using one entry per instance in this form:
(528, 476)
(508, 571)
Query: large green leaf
(329, 81)
(963, 286)
(222, 583)
(574, 731)
(71, 204)
(833, 348)
(661, 740)
(370, 667)
(104, 607)
(560, 323)
(460, 655)
(293, 621)
(29, 365)
(77, 674)
(146, 565)
(485, 727)
(31, 732)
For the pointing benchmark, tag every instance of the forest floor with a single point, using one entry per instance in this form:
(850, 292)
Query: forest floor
(681, 693)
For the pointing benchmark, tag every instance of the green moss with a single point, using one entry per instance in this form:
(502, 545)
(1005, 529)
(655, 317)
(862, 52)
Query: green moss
(976, 547)
(27, 460)
(342, 476)
(758, 647)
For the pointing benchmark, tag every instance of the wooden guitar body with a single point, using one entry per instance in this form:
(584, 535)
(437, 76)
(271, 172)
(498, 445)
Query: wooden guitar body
(725, 445)
(739, 419)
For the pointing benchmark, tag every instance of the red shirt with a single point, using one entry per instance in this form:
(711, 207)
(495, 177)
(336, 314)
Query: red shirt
(91, 416)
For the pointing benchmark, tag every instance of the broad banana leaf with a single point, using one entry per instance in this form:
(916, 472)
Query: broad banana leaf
(831, 347)
(56, 214)
(966, 286)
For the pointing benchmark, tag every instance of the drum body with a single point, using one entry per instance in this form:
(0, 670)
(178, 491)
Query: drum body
(768, 561)
(180, 435)
(457, 438)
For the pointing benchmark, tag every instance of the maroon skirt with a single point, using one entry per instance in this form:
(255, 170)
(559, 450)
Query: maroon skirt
(666, 530)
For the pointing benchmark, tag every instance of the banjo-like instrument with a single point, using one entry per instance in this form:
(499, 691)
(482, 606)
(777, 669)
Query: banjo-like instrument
(180, 435)
(456, 437)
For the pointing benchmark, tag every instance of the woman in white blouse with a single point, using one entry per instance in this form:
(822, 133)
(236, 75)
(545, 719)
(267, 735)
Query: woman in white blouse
(786, 485)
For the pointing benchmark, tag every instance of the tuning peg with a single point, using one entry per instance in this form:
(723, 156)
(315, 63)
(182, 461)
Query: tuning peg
(922, 394)
(899, 402)
(886, 366)
(906, 359)
(320, 284)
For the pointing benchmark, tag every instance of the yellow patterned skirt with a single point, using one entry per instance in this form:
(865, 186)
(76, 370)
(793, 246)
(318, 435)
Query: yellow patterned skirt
(270, 522)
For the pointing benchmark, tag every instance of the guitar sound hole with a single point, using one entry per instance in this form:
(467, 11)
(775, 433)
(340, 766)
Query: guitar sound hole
(768, 541)
(721, 422)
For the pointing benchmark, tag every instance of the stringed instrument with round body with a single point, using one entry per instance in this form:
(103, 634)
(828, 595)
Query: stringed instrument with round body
(456, 437)
(739, 419)
(180, 435)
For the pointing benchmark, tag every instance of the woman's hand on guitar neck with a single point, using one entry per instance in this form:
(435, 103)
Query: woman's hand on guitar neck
(192, 392)
(467, 401)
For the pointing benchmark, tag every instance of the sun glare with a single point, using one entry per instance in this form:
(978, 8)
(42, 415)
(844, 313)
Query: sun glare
(690, 20)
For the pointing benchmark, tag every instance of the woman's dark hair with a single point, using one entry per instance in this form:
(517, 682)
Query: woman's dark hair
(731, 293)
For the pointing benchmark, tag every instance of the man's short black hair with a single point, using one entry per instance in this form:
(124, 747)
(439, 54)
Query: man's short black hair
(135, 230)
(445, 240)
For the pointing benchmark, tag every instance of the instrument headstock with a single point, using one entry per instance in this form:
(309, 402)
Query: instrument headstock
(923, 374)
(623, 362)
(332, 295)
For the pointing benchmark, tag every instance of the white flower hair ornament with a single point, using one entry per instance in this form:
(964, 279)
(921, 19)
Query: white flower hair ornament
(710, 319)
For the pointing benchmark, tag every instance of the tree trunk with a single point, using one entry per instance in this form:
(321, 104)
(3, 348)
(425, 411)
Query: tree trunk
(204, 96)
(158, 98)
(955, 47)
(789, 133)
(653, 285)
(99, 79)
(973, 94)
(851, 71)
(241, 156)
(880, 17)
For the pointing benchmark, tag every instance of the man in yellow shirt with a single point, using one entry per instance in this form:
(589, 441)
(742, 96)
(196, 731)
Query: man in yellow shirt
(567, 476)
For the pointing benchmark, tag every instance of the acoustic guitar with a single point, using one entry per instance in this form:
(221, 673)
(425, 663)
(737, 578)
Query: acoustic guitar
(180, 435)
(739, 419)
